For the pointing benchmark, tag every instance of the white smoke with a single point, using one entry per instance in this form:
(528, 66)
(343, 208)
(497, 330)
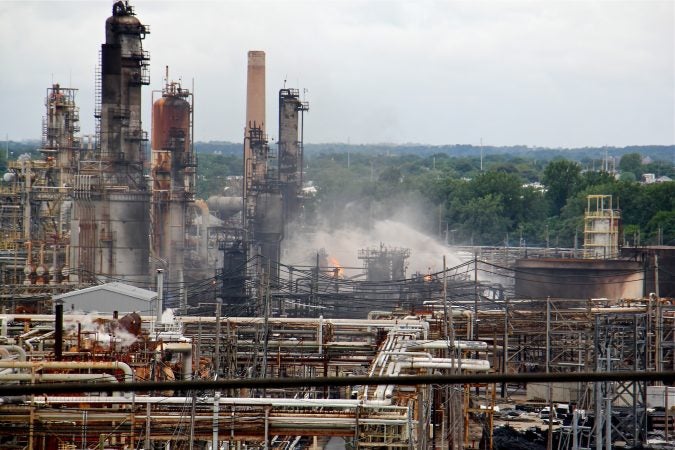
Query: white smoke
(344, 243)
(97, 330)
(168, 316)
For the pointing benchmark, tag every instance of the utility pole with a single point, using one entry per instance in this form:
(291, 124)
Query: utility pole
(216, 350)
(505, 345)
(216, 370)
(475, 298)
(481, 154)
(449, 350)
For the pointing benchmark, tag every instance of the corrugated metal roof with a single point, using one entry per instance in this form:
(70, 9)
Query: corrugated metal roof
(120, 288)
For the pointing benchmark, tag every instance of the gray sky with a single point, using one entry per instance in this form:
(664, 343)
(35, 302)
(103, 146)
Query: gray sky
(535, 72)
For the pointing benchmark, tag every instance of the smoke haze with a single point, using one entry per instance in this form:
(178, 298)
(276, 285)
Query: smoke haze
(343, 244)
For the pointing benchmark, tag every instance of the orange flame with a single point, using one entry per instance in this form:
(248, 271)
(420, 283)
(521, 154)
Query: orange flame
(338, 271)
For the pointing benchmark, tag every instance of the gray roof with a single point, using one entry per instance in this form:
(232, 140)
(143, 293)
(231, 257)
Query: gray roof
(116, 287)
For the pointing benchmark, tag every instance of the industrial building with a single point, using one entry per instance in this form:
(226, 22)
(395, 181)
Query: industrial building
(99, 237)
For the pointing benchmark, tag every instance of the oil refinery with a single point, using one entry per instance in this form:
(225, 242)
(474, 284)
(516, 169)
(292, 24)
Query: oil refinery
(112, 271)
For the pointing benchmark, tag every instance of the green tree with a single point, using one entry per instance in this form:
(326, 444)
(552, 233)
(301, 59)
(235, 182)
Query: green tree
(595, 177)
(663, 223)
(562, 179)
(212, 173)
(628, 176)
(482, 219)
(631, 162)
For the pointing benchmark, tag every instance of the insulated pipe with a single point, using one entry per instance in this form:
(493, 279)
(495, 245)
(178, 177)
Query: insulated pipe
(396, 339)
(282, 421)
(374, 315)
(482, 364)
(216, 413)
(439, 365)
(401, 325)
(443, 344)
(412, 354)
(186, 350)
(35, 330)
(229, 401)
(160, 294)
(39, 365)
(29, 342)
(104, 377)
(15, 348)
(289, 342)
(469, 323)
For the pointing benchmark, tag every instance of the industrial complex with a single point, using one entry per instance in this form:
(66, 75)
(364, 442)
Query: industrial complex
(112, 271)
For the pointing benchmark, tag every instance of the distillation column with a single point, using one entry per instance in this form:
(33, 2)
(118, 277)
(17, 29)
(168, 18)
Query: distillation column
(173, 165)
(35, 211)
(110, 228)
(290, 151)
(61, 148)
(60, 145)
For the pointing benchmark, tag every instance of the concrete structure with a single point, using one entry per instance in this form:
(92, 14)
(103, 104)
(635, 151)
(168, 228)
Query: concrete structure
(110, 226)
(255, 109)
(110, 297)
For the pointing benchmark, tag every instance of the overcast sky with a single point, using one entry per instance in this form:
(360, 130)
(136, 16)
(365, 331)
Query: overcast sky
(537, 72)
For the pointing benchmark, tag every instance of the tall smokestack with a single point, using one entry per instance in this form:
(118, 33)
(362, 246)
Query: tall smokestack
(255, 90)
(255, 109)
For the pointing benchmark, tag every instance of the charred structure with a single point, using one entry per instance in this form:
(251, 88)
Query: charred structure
(111, 221)
(291, 110)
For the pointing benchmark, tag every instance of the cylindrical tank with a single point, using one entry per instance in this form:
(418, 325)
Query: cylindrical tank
(171, 123)
(225, 206)
(171, 163)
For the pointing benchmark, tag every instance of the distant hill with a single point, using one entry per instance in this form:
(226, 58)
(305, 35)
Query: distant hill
(655, 152)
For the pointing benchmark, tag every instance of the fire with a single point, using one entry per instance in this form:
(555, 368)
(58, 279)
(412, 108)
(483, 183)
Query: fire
(428, 276)
(338, 271)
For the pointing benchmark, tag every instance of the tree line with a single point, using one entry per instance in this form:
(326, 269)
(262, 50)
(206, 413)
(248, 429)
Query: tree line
(519, 197)
(513, 200)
